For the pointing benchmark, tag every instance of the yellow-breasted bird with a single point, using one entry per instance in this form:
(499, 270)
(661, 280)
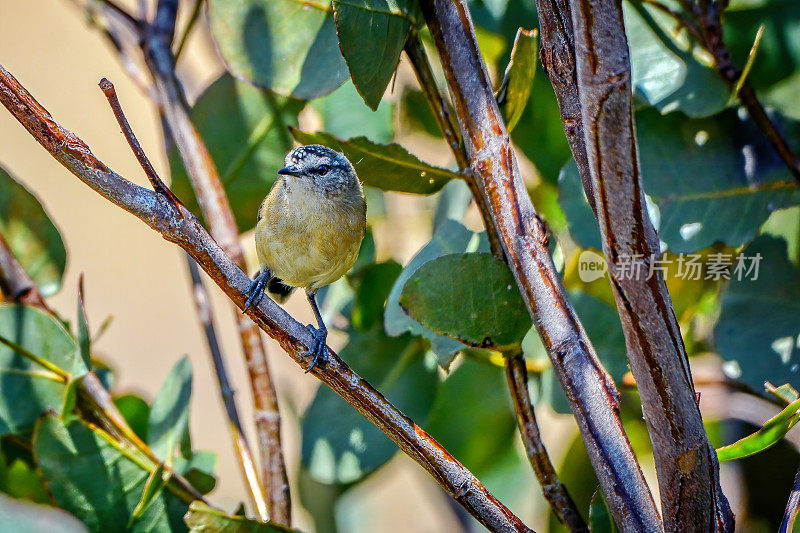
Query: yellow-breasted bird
(309, 231)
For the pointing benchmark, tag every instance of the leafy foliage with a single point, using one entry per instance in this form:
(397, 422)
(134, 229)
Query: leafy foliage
(201, 518)
(31, 236)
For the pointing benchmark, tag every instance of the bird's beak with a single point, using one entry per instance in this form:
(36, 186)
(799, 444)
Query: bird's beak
(289, 171)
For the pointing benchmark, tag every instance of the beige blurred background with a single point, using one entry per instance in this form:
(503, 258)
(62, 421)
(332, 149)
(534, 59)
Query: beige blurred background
(142, 280)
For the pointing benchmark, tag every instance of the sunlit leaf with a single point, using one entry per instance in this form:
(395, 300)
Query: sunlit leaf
(169, 415)
(512, 96)
(771, 432)
(388, 167)
(472, 298)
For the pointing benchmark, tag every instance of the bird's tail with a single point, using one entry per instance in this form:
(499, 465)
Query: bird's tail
(278, 290)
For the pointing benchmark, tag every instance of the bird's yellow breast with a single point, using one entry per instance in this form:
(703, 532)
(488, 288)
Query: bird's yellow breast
(306, 239)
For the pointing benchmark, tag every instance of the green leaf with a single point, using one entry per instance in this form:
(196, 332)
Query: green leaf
(600, 520)
(472, 298)
(759, 319)
(373, 284)
(668, 71)
(84, 340)
(300, 58)
(512, 96)
(19, 477)
(99, 480)
(473, 418)
(388, 167)
(155, 483)
(25, 517)
(450, 237)
(785, 393)
(203, 519)
(169, 415)
(31, 236)
(37, 357)
(779, 51)
(340, 446)
(198, 470)
(770, 433)
(136, 413)
(372, 34)
(416, 114)
(713, 180)
(344, 115)
(244, 129)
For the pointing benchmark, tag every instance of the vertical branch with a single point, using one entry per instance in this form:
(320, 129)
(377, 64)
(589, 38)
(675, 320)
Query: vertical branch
(203, 305)
(591, 392)
(555, 492)
(792, 507)
(222, 225)
(557, 53)
(688, 472)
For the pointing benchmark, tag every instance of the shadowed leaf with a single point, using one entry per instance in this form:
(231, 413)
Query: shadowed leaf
(31, 236)
(389, 167)
(244, 129)
(371, 35)
(169, 415)
(258, 43)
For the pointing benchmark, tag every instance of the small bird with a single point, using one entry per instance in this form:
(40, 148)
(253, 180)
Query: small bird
(309, 231)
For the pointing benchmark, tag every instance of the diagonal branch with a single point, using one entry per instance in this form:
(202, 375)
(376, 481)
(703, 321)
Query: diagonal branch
(792, 507)
(688, 472)
(592, 394)
(554, 491)
(183, 229)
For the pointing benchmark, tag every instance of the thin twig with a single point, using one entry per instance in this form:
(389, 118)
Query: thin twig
(203, 305)
(186, 231)
(198, 5)
(592, 394)
(108, 89)
(205, 180)
(792, 507)
(554, 491)
(688, 471)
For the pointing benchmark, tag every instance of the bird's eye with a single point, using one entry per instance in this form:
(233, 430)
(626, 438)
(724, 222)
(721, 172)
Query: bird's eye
(323, 169)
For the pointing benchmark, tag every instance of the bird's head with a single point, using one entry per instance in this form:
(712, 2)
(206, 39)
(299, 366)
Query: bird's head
(320, 168)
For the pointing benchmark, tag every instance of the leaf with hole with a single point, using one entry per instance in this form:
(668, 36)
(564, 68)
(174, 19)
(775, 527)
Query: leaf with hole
(388, 167)
(300, 59)
(472, 298)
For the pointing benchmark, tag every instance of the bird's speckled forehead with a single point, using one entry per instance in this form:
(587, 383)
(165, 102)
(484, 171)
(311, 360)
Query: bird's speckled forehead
(312, 154)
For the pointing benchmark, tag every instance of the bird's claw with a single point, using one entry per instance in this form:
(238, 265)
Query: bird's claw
(256, 290)
(319, 349)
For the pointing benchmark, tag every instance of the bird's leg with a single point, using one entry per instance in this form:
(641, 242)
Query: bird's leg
(320, 334)
(256, 289)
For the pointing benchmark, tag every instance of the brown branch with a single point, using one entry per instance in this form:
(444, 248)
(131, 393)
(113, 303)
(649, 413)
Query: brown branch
(688, 472)
(186, 231)
(93, 399)
(591, 392)
(557, 53)
(217, 212)
(415, 52)
(792, 507)
(203, 305)
(554, 491)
